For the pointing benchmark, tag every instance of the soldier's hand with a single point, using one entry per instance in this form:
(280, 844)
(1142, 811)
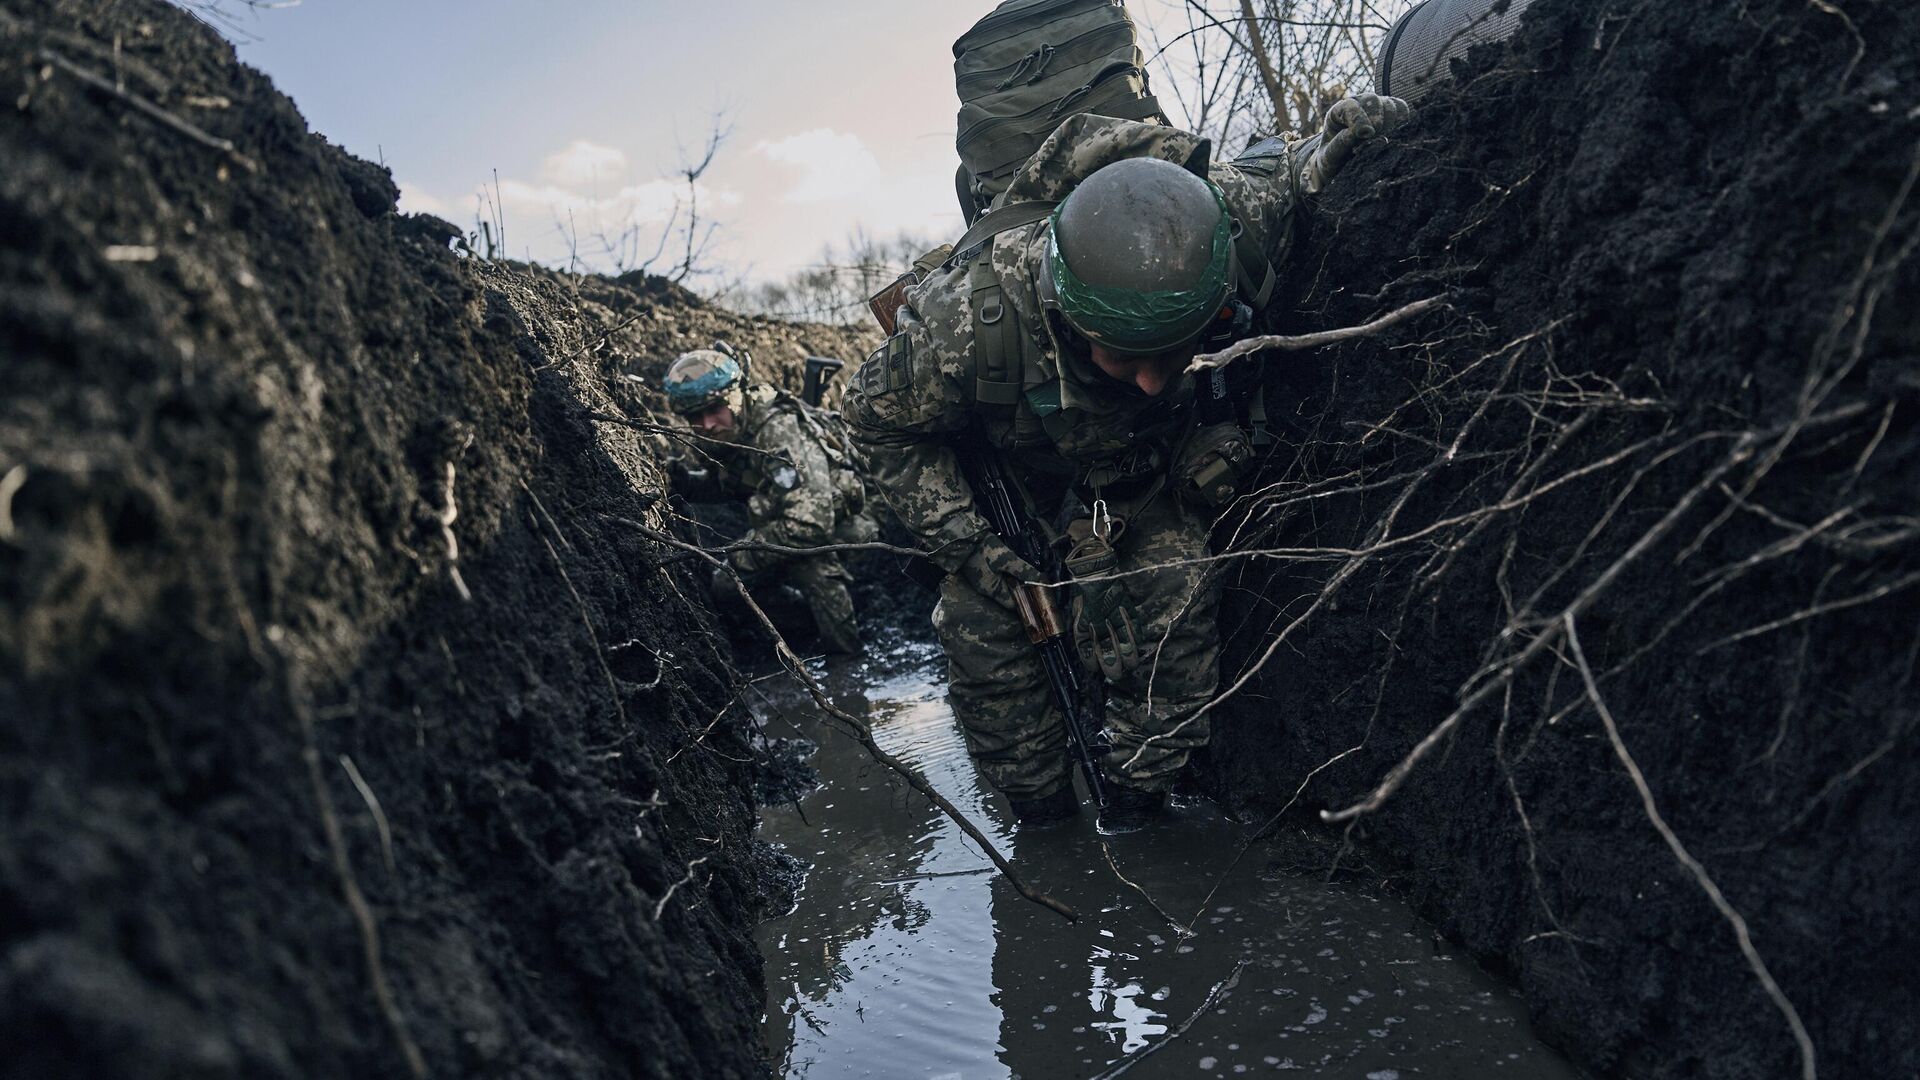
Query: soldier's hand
(753, 560)
(992, 569)
(1350, 122)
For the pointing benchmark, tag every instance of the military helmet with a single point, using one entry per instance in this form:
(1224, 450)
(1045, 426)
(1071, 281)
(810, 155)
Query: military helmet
(1139, 256)
(701, 379)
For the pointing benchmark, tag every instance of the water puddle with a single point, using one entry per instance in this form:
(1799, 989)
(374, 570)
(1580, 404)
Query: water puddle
(907, 957)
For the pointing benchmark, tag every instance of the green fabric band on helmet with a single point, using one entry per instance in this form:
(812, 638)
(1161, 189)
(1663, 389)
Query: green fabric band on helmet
(1129, 321)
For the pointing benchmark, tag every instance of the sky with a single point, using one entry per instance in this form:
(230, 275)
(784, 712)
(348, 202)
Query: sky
(840, 116)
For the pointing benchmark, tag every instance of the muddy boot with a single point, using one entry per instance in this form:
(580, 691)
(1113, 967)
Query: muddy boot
(1048, 809)
(1129, 809)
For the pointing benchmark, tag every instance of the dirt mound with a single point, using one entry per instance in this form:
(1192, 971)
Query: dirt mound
(1676, 407)
(348, 727)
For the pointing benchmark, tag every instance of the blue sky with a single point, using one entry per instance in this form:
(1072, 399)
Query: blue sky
(842, 114)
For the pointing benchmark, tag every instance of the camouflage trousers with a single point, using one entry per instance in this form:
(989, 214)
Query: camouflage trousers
(998, 685)
(822, 582)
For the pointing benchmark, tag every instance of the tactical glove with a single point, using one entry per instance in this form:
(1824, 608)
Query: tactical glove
(1350, 122)
(1213, 463)
(1103, 626)
(752, 560)
(992, 569)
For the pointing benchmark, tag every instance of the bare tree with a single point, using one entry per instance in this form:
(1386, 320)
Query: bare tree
(1253, 67)
(835, 288)
(696, 233)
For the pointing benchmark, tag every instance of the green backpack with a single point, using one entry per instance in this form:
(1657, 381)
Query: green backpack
(1029, 65)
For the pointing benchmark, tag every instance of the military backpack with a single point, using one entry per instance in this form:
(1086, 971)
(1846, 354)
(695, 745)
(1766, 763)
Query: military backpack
(1028, 65)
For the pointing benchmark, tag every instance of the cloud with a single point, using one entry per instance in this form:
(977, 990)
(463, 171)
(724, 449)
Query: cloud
(415, 200)
(833, 166)
(582, 164)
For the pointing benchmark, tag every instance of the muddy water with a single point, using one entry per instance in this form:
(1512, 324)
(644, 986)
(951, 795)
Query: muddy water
(907, 957)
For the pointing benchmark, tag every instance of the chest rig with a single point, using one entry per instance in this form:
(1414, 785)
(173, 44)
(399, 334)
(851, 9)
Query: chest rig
(1122, 457)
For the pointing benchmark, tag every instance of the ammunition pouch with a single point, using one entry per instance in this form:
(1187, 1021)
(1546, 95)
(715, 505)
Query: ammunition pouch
(1213, 463)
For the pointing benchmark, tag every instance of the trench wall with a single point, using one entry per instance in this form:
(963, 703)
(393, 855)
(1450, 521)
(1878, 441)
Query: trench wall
(1675, 396)
(348, 727)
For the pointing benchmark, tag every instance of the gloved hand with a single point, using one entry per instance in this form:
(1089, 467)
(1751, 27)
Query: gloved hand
(751, 560)
(1350, 122)
(1103, 627)
(992, 569)
(1212, 463)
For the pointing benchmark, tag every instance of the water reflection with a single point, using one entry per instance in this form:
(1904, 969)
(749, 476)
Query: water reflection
(903, 958)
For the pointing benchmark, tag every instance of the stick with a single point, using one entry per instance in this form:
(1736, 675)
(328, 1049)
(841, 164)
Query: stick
(1741, 451)
(349, 885)
(373, 806)
(791, 661)
(1220, 989)
(148, 109)
(1692, 865)
(1294, 342)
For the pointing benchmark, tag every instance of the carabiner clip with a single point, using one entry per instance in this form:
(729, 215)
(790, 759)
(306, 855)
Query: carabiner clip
(1102, 520)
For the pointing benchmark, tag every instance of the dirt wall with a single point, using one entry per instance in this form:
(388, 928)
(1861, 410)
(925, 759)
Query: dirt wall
(1675, 399)
(349, 730)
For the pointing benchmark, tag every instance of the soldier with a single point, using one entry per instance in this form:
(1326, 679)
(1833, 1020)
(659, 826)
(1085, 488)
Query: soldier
(1061, 344)
(794, 472)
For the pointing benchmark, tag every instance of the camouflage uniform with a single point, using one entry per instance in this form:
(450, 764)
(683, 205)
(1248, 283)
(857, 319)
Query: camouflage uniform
(801, 490)
(1068, 434)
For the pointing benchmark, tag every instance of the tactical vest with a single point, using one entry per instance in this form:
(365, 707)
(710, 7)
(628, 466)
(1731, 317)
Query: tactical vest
(753, 469)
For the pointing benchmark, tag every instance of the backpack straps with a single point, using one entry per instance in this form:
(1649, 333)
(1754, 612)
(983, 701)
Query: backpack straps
(1253, 274)
(996, 337)
(999, 220)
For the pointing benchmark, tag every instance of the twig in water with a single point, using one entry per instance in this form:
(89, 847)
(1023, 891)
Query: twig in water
(1692, 865)
(792, 662)
(1220, 989)
(1185, 932)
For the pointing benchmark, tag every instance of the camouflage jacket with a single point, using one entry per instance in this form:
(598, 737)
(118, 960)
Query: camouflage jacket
(1062, 423)
(782, 463)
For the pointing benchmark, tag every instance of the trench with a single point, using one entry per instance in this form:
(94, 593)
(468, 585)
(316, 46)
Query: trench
(905, 955)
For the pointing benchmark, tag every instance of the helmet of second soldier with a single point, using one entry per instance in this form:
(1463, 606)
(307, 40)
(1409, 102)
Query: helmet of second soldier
(1139, 257)
(699, 380)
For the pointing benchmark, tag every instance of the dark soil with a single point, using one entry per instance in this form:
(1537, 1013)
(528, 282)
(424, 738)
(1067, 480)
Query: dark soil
(239, 399)
(1701, 218)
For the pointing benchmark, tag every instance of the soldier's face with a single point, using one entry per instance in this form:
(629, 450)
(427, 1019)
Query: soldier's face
(1151, 375)
(716, 421)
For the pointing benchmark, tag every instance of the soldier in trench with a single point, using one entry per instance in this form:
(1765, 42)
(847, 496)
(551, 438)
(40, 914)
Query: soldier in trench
(1061, 345)
(796, 474)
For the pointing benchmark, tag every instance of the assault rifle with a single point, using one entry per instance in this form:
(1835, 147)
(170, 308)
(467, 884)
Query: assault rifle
(1039, 612)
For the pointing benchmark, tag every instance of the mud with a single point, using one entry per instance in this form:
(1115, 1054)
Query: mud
(345, 718)
(1700, 219)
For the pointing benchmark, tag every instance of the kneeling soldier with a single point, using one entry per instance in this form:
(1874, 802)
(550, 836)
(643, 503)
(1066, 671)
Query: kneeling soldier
(796, 475)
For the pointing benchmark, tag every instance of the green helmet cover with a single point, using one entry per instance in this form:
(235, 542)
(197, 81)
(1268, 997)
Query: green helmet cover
(1143, 322)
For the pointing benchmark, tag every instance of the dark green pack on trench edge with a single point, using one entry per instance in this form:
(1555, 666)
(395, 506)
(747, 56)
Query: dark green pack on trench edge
(1022, 71)
(1029, 65)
